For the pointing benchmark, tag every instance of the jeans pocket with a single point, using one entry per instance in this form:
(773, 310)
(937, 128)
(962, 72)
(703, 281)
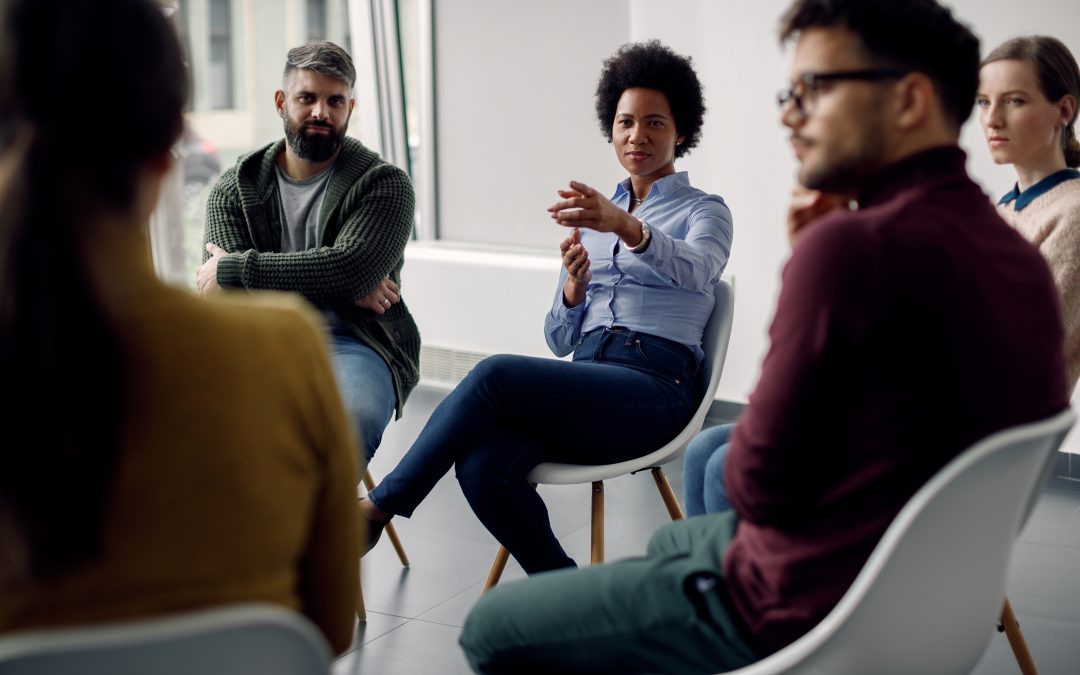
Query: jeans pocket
(666, 360)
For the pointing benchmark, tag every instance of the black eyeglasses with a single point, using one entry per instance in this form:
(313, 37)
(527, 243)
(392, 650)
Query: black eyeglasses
(803, 92)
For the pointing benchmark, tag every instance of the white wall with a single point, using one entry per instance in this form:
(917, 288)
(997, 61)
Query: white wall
(514, 112)
(526, 72)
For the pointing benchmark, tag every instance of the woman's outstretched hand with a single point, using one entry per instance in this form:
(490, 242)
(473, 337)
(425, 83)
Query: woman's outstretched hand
(582, 206)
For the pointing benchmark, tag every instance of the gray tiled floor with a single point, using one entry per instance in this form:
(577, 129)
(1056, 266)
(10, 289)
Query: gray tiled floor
(415, 615)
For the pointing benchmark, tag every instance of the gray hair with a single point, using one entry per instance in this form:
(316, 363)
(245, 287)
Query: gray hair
(322, 57)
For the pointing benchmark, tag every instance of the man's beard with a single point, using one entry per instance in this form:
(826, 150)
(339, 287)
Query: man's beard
(313, 147)
(847, 173)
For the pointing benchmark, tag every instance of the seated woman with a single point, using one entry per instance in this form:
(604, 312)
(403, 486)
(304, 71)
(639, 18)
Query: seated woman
(633, 297)
(1028, 99)
(176, 453)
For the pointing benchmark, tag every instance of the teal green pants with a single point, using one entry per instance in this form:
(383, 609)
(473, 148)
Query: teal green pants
(663, 613)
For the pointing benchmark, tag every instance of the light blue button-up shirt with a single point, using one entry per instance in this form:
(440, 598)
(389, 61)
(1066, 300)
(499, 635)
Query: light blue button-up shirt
(666, 290)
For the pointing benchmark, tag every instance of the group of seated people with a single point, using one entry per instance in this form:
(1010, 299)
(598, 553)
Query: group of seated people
(206, 448)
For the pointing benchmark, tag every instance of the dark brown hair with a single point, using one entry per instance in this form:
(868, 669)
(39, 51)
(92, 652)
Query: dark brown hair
(1058, 74)
(913, 35)
(90, 91)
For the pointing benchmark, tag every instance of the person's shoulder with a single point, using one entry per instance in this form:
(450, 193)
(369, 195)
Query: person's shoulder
(269, 308)
(1067, 195)
(838, 237)
(705, 203)
(359, 162)
(257, 323)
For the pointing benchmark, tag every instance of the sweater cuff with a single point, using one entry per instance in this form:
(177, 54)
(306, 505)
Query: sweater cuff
(230, 271)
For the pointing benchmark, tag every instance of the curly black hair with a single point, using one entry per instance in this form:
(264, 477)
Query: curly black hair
(652, 65)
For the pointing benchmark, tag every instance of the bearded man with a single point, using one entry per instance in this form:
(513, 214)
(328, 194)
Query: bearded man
(319, 214)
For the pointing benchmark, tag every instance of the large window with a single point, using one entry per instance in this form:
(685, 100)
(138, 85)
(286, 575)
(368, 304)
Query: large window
(220, 73)
(235, 51)
(316, 20)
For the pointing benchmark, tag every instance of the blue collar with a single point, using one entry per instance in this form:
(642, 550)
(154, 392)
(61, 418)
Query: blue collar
(665, 186)
(1022, 199)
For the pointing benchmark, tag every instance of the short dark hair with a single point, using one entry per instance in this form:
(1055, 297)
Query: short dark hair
(1058, 73)
(915, 35)
(323, 57)
(652, 65)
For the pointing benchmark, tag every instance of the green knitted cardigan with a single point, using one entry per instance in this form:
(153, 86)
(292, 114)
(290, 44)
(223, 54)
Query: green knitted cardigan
(365, 221)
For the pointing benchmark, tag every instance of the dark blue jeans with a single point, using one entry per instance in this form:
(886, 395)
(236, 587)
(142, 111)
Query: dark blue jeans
(624, 395)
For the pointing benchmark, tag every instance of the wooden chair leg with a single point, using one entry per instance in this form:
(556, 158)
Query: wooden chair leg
(667, 494)
(497, 568)
(598, 522)
(1016, 640)
(361, 609)
(391, 531)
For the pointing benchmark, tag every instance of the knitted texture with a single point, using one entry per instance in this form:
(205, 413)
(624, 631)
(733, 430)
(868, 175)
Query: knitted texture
(1052, 223)
(365, 222)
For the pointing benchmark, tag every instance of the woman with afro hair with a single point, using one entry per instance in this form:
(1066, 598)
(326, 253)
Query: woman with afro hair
(635, 291)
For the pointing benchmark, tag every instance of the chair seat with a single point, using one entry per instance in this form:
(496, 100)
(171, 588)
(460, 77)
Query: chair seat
(240, 638)
(715, 339)
(555, 473)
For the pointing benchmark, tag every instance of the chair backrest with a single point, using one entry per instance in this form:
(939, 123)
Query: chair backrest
(927, 597)
(241, 638)
(714, 342)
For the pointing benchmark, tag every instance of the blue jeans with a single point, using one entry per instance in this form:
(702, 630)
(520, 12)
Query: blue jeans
(624, 395)
(366, 386)
(703, 471)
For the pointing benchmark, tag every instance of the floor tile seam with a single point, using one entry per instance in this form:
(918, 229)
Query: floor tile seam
(440, 623)
(431, 535)
(1030, 542)
(456, 595)
(382, 635)
(1036, 617)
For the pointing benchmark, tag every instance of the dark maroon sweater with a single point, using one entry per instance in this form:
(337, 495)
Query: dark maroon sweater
(905, 331)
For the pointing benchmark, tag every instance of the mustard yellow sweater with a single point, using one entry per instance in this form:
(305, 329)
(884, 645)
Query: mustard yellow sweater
(1052, 222)
(237, 479)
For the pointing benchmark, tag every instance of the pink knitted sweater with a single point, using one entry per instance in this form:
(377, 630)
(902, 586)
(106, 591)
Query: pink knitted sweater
(1052, 223)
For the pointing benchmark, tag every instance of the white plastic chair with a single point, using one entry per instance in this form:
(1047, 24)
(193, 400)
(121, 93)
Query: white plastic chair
(236, 639)
(714, 343)
(926, 598)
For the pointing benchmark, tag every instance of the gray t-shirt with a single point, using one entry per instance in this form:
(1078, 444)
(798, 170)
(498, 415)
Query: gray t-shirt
(301, 201)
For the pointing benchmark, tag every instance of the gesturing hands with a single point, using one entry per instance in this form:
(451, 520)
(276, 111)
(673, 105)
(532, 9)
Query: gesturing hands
(582, 206)
(381, 298)
(576, 261)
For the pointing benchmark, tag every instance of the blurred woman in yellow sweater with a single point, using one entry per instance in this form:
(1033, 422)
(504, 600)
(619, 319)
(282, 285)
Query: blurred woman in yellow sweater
(177, 452)
(1029, 90)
